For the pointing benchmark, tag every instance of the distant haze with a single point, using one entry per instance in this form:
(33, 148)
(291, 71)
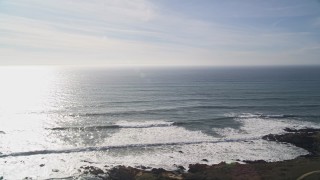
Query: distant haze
(159, 33)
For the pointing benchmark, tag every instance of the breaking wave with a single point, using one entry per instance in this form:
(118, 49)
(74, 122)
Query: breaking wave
(119, 124)
(104, 148)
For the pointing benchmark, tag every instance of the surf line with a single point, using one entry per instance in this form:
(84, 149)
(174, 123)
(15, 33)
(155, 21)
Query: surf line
(105, 148)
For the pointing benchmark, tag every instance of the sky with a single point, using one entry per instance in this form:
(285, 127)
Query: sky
(160, 32)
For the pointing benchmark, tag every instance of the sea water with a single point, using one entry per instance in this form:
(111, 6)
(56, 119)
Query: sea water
(55, 119)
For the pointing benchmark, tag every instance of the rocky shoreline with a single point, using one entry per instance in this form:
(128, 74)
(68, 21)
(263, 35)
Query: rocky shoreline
(307, 139)
(302, 167)
(305, 167)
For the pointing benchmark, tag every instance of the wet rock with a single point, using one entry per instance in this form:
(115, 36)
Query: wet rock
(158, 170)
(194, 168)
(308, 130)
(254, 162)
(55, 170)
(41, 165)
(103, 176)
(180, 169)
(205, 160)
(143, 167)
(86, 161)
(27, 178)
(122, 172)
(91, 170)
(307, 138)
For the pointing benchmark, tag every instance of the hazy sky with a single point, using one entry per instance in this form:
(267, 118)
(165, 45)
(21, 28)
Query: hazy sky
(159, 32)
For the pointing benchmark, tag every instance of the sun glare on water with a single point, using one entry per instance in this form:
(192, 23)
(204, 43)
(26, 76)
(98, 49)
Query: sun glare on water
(24, 90)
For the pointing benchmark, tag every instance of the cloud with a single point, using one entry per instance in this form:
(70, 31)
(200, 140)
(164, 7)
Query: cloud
(134, 32)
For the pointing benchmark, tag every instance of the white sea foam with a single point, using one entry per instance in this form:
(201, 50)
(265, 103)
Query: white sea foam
(160, 144)
(160, 156)
(138, 124)
(169, 134)
(258, 125)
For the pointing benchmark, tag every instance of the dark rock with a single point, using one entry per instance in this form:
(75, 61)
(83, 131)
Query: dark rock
(91, 170)
(2, 132)
(158, 170)
(180, 169)
(141, 167)
(289, 130)
(194, 168)
(103, 176)
(55, 170)
(308, 139)
(205, 160)
(180, 151)
(254, 162)
(307, 130)
(41, 165)
(27, 178)
(122, 172)
(309, 156)
(90, 162)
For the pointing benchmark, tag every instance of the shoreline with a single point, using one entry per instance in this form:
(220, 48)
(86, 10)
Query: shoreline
(302, 166)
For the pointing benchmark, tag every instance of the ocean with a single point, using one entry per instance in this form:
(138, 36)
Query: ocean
(55, 119)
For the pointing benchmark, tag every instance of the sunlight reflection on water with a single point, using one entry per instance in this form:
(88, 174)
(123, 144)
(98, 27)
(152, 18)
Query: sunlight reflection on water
(65, 118)
(25, 90)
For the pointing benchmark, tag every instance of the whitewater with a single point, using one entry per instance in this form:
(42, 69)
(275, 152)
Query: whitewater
(64, 118)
